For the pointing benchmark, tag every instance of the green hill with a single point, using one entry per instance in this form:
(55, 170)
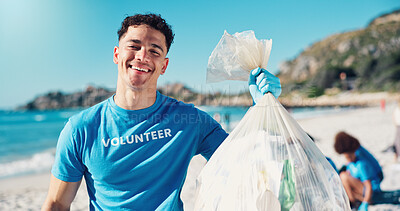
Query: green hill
(368, 57)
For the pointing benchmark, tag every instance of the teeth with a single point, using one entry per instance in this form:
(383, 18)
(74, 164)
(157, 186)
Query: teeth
(141, 69)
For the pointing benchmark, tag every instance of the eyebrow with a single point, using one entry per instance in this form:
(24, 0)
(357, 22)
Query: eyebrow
(139, 42)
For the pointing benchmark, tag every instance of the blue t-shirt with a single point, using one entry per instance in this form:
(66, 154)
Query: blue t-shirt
(366, 167)
(135, 159)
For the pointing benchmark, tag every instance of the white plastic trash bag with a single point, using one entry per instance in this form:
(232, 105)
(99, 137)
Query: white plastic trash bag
(267, 162)
(236, 55)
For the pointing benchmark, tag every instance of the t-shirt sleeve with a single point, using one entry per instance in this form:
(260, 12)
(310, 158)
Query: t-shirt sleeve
(365, 171)
(211, 135)
(68, 165)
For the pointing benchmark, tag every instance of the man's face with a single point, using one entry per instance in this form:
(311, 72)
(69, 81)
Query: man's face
(141, 57)
(350, 156)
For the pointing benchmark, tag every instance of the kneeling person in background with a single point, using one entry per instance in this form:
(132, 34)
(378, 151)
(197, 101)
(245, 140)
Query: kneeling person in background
(363, 174)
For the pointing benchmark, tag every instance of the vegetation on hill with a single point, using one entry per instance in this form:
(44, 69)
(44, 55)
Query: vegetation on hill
(366, 60)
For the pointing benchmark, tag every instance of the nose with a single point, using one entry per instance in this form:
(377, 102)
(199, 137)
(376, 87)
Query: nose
(141, 54)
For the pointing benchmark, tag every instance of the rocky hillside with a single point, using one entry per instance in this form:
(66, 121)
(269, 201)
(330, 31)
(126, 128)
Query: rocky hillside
(60, 100)
(93, 95)
(366, 60)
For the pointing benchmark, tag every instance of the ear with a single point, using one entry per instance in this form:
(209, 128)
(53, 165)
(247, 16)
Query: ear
(165, 65)
(116, 54)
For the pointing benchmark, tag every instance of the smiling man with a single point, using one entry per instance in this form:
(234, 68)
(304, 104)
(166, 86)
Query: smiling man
(141, 59)
(134, 148)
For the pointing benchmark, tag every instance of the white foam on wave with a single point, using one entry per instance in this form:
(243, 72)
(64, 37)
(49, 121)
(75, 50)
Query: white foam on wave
(37, 163)
(39, 117)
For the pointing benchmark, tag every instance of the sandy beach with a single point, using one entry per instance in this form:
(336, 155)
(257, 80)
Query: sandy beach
(372, 126)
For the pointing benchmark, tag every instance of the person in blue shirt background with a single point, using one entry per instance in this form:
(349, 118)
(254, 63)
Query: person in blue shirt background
(134, 148)
(362, 176)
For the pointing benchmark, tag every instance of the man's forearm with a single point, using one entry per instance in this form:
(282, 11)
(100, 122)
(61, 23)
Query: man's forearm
(54, 206)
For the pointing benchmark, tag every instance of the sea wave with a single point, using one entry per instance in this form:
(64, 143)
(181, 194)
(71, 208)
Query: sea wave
(39, 162)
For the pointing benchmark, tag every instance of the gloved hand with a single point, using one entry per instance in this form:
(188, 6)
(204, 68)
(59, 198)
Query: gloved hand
(363, 206)
(261, 81)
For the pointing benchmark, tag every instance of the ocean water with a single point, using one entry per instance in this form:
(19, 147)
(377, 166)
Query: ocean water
(28, 138)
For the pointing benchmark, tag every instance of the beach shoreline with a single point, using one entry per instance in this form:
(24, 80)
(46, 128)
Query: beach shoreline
(373, 127)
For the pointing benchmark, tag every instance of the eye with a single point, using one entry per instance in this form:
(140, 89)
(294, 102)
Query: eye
(134, 47)
(155, 52)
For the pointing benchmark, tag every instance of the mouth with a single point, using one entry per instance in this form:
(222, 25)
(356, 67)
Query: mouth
(140, 69)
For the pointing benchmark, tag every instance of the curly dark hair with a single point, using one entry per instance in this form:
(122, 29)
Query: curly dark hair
(153, 20)
(345, 143)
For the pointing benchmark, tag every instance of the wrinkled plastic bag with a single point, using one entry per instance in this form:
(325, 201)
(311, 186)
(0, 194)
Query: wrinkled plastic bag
(268, 163)
(268, 152)
(236, 55)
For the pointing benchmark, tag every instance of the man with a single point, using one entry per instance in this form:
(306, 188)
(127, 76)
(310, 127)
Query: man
(134, 148)
(363, 174)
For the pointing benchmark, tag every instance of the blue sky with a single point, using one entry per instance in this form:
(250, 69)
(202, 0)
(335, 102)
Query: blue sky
(66, 45)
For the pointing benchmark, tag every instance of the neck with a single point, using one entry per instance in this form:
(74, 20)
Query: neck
(131, 99)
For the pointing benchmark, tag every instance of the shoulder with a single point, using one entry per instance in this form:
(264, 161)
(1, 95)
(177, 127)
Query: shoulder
(361, 153)
(88, 115)
(171, 103)
(361, 163)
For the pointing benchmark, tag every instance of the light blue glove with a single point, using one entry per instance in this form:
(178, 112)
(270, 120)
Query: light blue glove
(363, 206)
(261, 81)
